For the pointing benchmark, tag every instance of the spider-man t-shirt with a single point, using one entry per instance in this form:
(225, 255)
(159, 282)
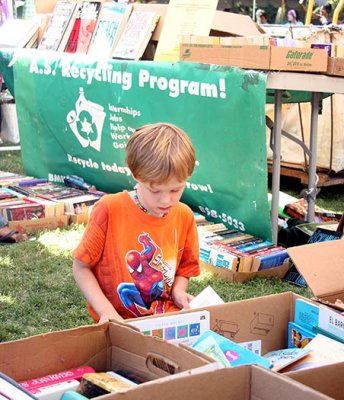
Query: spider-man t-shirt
(136, 256)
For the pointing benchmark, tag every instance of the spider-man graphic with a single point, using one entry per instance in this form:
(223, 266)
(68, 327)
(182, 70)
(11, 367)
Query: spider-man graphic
(148, 279)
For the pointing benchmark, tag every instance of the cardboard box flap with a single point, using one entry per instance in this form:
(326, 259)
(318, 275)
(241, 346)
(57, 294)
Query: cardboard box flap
(321, 265)
(234, 24)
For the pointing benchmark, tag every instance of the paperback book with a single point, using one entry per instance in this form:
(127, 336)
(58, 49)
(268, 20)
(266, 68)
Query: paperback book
(136, 35)
(280, 359)
(112, 19)
(56, 29)
(83, 28)
(11, 390)
(234, 353)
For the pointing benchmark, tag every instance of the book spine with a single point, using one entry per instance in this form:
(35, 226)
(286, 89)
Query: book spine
(32, 182)
(254, 246)
(272, 260)
(75, 373)
(218, 258)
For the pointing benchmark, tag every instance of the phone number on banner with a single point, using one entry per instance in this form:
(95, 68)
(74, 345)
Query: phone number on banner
(227, 219)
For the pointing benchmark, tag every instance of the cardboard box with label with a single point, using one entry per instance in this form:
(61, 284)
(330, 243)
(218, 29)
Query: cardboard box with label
(39, 223)
(254, 56)
(105, 347)
(325, 379)
(321, 265)
(244, 383)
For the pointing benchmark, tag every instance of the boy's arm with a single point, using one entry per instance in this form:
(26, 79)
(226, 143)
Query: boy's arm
(89, 286)
(179, 296)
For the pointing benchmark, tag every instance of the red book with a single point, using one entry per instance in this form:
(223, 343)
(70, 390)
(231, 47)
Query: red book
(84, 27)
(48, 380)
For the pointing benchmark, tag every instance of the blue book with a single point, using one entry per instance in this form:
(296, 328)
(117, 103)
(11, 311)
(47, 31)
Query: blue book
(273, 259)
(298, 336)
(254, 246)
(234, 353)
(306, 314)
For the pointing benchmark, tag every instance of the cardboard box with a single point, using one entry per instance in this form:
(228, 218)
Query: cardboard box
(104, 347)
(321, 265)
(240, 277)
(244, 383)
(253, 55)
(257, 57)
(79, 218)
(298, 59)
(40, 223)
(335, 66)
(325, 379)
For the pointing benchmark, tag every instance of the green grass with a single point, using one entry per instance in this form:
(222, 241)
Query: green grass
(38, 293)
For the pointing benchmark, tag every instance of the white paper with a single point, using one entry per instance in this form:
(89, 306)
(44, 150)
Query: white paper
(208, 297)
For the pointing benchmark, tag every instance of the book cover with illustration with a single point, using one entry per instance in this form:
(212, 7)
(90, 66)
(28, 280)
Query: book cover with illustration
(323, 351)
(58, 23)
(112, 19)
(178, 328)
(298, 336)
(234, 353)
(282, 358)
(136, 34)
(83, 28)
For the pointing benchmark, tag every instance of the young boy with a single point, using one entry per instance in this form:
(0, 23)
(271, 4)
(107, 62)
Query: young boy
(140, 248)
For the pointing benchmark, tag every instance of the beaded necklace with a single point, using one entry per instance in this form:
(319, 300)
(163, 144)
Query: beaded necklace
(138, 203)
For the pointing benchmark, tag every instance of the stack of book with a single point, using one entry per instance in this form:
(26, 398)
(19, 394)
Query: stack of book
(76, 383)
(27, 199)
(235, 250)
(101, 29)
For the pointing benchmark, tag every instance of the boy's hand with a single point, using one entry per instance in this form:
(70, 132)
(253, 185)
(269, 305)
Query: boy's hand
(181, 299)
(109, 314)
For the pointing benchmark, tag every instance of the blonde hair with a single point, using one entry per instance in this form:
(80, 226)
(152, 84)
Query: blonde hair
(158, 152)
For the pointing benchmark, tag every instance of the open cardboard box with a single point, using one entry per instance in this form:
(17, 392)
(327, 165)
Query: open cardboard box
(109, 346)
(321, 265)
(240, 277)
(244, 383)
(325, 379)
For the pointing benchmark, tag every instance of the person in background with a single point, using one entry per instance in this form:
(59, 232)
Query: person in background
(261, 17)
(324, 17)
(293, 18)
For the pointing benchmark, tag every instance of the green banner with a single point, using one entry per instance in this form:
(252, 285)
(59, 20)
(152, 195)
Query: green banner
(76, 114)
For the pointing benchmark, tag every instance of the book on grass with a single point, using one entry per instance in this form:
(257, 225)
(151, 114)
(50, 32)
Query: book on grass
(234, 353)
(299, 210)
(136, 35)
(112, 19)
(11, 390)
(59, 25)
(282, 358)
(83, 28)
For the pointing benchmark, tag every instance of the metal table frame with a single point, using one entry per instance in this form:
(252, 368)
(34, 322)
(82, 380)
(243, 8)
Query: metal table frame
(316, 84)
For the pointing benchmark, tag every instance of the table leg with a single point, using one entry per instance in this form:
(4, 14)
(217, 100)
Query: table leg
(276, 166)
(312, 171)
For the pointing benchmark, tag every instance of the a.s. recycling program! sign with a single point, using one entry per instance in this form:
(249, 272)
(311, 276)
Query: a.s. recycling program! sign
(76, 114)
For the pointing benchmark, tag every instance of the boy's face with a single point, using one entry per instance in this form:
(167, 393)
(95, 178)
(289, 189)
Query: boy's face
(159, 199)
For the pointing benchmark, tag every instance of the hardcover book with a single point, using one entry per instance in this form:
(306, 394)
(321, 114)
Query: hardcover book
(25, 211)
(234, 353)
(112, 19)
(299, 210)
(57, 26)
(136, 35)
(83, 28)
